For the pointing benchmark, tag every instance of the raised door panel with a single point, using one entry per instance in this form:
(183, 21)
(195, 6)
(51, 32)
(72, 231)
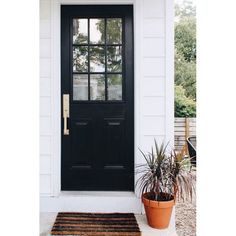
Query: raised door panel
(81, 139)
(114, 132)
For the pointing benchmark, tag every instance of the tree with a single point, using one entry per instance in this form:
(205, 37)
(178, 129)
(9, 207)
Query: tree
(185, 38)
(185, 59)
(185, 75)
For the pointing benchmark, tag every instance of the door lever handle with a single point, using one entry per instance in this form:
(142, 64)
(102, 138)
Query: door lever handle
(66, 112)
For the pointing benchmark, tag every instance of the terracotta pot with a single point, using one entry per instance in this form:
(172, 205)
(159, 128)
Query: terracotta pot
(158, 213)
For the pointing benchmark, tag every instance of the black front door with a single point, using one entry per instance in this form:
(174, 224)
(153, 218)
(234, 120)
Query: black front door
(97, 79)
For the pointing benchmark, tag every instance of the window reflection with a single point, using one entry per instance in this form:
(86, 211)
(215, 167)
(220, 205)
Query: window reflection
(80, 87)
(101, 63)
(97, 87)
(97, 59)
(114, 86)
(97, 31)
(80, 59)
(114, 30)
(80, 31)
(114, 58)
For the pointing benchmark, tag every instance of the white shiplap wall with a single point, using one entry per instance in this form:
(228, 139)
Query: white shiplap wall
(151, 79)
(45, 98)
(152, 93)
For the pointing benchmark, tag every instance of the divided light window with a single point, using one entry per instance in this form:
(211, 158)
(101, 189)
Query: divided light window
(97, 59)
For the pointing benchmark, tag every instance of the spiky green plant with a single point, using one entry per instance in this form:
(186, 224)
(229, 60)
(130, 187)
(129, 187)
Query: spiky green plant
(165, 176)
(183, 178)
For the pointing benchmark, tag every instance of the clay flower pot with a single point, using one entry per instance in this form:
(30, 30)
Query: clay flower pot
(158, 213)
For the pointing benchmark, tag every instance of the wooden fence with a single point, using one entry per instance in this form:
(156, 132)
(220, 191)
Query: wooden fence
(184, 127)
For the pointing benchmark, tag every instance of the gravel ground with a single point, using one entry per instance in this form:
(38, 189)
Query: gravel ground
(185, 217)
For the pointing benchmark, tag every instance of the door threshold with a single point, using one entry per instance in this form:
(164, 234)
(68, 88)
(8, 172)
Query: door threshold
(94, 201)
(98, 193)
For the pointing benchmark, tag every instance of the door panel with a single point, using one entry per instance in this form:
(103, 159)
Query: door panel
(81, 134)
(97, 73)
(114, 138)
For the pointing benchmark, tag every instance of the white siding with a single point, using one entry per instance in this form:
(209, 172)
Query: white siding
(151, 85)
(45, 67)
(45, 87)
(45, 29)
(154, 86)
(154, 8)
(154, 47)
(147, 140)
(45, 10)
(153, 126)
(154, 27)
(45, 184)
(45, 164)
(45, 106)
(156, 106)
(45, 126)
(45, 48)
(45, 98)
(153, 67)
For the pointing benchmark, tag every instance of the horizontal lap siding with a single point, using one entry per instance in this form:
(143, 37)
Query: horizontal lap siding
(154, 67)
(155, 107)
(153, 84)
(154, 28)
(153, 9)
(45, 99)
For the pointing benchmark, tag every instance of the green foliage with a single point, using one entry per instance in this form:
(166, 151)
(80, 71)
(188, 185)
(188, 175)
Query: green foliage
(185, 75)
(185, 38)
(114, 27)
(185, 60)
(184, 106)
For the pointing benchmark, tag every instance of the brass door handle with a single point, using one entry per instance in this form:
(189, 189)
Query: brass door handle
(66, 112)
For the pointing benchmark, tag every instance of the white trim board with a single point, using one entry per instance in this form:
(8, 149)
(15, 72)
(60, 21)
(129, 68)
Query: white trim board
(56, 78)
(92, 202)
(169, 68)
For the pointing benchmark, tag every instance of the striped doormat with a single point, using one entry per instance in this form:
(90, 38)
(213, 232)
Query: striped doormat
(92, 224)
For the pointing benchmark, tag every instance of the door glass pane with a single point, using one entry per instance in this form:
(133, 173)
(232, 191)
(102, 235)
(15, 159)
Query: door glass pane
(98, 64)
(114, 31)
(114, 58)
(80, 31)
(114, 82)
(97, 31)
(97, 59)
(80, 87)
(97, 87)
(80, 59)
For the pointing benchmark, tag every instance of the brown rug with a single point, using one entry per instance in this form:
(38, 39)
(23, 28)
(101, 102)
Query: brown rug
(92, 224)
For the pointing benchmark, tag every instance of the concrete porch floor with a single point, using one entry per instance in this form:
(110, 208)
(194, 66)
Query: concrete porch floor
(47, 220)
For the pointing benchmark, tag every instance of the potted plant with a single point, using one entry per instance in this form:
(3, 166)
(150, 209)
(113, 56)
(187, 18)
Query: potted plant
(163, 178)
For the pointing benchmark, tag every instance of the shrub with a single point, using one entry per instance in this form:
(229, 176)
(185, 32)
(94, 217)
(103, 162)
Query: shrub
(184, 106)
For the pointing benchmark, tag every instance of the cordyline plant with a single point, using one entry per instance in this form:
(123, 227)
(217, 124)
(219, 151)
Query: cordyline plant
(165, 176)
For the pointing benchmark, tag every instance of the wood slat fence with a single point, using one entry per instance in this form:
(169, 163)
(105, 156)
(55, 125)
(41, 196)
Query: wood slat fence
(184, 127)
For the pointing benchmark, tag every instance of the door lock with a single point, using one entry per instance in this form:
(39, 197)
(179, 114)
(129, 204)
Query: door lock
(66, 112)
